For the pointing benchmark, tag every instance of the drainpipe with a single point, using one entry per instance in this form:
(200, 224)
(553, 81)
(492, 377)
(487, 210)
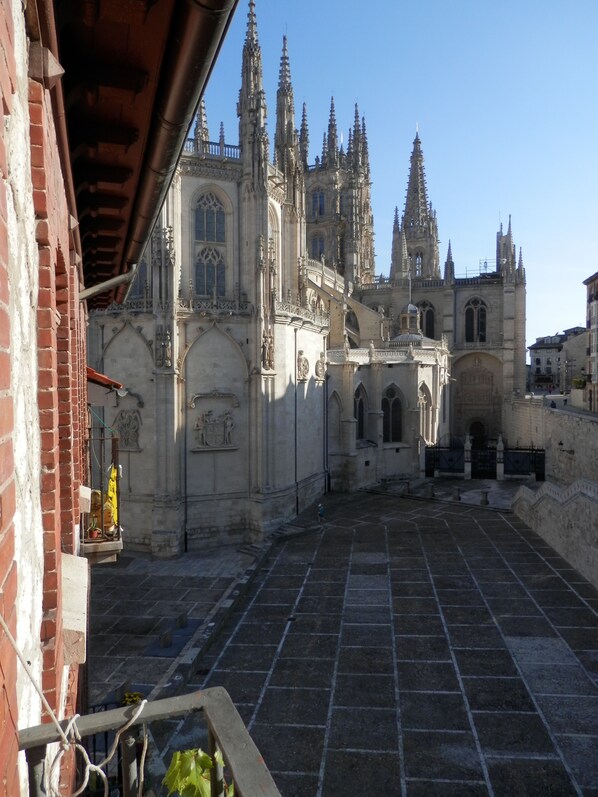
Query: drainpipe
(113, 282)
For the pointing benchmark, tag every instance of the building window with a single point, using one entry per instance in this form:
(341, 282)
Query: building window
(209, 272)
(317, 247)
(418, 264)
(426, 319)
(210, 228)
(359, 411)
(475, 321)
(317, 203)
(209, 219)
(391, 422)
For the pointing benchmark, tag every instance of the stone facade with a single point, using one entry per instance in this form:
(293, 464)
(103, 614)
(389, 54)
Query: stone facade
(591, 391)
(265, 361)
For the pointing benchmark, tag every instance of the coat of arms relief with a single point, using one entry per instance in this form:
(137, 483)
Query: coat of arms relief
(214, 426)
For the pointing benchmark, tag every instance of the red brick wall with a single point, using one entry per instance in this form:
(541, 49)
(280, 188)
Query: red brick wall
(61, 396)
(8, 569)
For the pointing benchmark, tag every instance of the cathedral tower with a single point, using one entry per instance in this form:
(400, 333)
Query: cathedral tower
(419, 222)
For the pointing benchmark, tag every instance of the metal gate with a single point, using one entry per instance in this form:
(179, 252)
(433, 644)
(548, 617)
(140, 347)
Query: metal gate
(483, 463)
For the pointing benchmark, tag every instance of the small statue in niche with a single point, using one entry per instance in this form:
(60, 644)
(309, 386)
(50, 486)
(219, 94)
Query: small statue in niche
(200, 425)
(229, 425)
(268, 350)
(167, 350)
(321, 366)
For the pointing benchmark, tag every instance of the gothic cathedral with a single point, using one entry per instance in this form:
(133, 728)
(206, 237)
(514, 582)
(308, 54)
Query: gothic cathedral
(264, 360)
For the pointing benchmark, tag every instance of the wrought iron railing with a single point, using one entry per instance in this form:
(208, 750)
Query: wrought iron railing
(101, 526)
(226, 733)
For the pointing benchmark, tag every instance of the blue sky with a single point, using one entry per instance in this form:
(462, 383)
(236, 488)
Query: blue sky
(504, 96)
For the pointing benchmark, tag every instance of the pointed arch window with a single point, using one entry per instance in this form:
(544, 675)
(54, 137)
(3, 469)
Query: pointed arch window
(210, 219)
(418, 264)
(210, 246)
(140, 285)
(426, 319)
(359, 410)
(392, 416)
(318, 205)
(475, 321)
(210, 272)
(317, 247)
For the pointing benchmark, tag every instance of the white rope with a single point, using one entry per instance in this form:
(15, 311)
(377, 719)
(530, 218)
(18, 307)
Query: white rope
(27, 669)
(89, 767)
(72, 731)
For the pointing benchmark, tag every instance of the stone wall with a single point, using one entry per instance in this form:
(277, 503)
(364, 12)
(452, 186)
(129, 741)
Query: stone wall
(567, 518)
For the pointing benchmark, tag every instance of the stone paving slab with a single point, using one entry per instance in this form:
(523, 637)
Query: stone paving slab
(445, 650)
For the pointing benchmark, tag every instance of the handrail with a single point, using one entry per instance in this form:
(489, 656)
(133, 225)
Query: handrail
(248, 771)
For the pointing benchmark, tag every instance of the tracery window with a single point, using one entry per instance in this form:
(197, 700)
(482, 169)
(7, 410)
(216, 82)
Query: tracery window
(209, 219)
(392, 412)
(210, 263)
(475, 321)
(359, 408)
(210, 272)
(318, 206)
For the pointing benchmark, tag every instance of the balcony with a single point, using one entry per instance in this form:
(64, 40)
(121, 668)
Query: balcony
(243, 764)
(101, 525)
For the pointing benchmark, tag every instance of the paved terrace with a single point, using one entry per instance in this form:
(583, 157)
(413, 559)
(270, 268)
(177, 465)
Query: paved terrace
(405, 648)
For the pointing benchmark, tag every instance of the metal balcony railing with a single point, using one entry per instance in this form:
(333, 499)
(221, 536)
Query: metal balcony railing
(226, 732)
(101, 527)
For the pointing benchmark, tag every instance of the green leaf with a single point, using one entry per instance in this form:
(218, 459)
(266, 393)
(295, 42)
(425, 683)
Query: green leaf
(172, 779)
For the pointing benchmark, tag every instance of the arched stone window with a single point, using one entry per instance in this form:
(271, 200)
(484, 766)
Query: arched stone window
(426, 319)
(210, 246)
(317, 247)
(475, 321)
(318, 206)
(392, 410)
(210, 272)
(359, 409)
(419, 259)
(210, 220)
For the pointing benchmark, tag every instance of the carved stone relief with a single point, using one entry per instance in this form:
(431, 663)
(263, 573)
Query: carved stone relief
(214, 431)
(128, 423)
(214, 426)
(302, 367)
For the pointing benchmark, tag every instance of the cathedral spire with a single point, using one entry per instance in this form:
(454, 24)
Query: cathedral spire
(332, 136)
(304, 137)
(416, 202)
(419, 220)
(395, 252)
(449, 266)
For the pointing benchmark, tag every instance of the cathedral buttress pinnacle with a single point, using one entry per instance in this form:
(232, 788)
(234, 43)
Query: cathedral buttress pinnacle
(304, 137)
(251, 108)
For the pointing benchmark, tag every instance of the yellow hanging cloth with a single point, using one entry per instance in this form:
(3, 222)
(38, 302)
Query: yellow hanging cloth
(111, 494)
